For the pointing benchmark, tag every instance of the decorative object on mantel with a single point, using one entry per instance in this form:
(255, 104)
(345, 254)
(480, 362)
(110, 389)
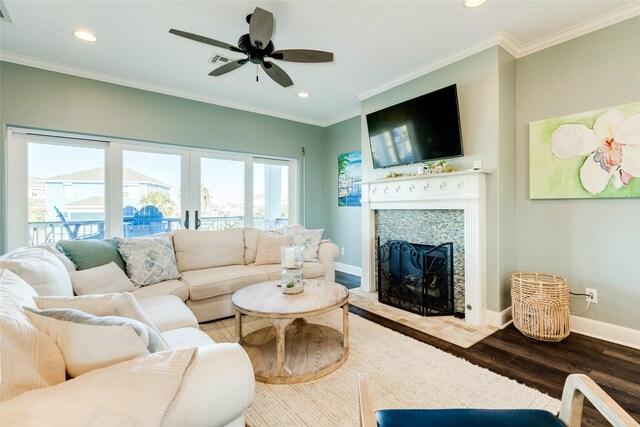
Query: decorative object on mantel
(437, 167)
(541, 306)
(588, 155)
(291, 279)
(394, 175)
(349, 178)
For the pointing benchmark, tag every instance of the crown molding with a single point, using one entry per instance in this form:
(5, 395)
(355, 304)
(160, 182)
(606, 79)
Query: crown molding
(348, 116)
(581, 29)
(511, 45)
(121, 81)
(502, 39)
(443, 61)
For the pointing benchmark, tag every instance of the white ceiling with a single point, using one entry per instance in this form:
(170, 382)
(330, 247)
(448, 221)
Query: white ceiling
(376, 44)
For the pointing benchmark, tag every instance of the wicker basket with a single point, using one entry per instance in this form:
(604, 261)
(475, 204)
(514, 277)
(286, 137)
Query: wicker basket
(541, 306)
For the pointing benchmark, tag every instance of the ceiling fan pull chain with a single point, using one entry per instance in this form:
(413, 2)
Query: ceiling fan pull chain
(257, 74)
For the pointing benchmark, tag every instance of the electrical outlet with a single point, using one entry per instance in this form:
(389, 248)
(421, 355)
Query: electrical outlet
(594, 295)
(341, 251)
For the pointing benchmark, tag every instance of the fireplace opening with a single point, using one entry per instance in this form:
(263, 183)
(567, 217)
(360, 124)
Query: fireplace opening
(416, 277)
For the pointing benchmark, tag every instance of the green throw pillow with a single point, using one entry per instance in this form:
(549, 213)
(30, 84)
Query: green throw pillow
(91, 253)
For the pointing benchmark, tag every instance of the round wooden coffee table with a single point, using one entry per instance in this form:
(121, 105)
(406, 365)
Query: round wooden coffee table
(292, 350)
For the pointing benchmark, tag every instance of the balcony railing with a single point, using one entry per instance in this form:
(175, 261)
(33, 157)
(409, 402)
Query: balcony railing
(53, 231)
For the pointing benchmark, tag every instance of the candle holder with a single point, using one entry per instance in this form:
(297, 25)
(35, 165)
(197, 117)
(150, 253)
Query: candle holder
(291, 279)
(291, 256)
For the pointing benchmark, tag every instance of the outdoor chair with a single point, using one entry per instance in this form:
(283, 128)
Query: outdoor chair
(73, 228)
(128, 212)
(148, 220)
(576, 388)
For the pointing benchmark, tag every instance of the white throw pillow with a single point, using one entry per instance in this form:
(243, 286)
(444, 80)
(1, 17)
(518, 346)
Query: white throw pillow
(68, 264)
(40, 269)
(149, 259)
(29, 359)
(104, 279)
(138, 392)
(308, 239)
(196, 250)
(121, 305)
(88, 342)
(269, 245)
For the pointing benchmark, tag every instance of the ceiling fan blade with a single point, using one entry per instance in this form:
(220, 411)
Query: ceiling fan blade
(302, 55)
(204, 40)
(261, 27)
(277, 74)
(228, 67)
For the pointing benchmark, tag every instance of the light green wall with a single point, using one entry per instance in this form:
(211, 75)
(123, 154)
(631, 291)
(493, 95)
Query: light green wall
(506, 174)
(344, 223)
(42, 99)
(592, 243)
(486, 95)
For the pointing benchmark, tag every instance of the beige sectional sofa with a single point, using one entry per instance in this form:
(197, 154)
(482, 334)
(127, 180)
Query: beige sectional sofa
(215, 387)
(215, 264)
(218, 386)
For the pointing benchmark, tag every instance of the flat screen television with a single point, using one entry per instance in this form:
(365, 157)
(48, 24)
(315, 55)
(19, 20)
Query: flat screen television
(418, 130)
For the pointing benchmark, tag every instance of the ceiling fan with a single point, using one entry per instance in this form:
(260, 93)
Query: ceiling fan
(257, 45)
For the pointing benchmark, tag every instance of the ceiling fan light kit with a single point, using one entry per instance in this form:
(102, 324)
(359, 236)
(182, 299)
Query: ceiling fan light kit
(258, 47)
(85, 35)
(474, 3)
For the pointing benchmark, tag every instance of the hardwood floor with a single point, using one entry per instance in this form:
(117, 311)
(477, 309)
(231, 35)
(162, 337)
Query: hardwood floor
(543, 366)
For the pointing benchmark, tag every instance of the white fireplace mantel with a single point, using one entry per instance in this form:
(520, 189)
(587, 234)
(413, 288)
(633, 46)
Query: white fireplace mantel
(456, 190)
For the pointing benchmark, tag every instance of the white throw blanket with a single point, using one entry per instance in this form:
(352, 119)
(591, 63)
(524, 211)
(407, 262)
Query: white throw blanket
(137, 392)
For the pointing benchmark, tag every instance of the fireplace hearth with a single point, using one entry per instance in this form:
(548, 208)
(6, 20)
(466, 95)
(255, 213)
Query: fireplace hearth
(416, 277)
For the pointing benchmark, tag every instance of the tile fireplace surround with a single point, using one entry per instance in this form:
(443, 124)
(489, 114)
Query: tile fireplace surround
(456, 190)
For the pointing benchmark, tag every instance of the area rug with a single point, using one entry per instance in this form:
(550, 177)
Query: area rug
(404, 373)
(448, 328)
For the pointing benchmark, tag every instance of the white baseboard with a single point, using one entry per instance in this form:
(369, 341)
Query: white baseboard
(349, 269)
(500, 320)
(580, 325)
(606, 331)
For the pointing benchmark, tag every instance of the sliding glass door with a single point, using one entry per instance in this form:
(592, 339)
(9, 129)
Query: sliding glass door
(271, 199)
(152, 189)
(84, 188)
(222, 192)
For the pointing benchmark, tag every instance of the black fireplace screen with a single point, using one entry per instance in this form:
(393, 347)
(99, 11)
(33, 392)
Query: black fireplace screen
(416, 278)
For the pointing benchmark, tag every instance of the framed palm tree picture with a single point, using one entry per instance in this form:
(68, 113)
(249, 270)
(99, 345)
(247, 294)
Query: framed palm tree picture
(587, 155)
(349, 178)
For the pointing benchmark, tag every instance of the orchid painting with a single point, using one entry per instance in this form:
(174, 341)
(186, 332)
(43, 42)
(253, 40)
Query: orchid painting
(587, 155)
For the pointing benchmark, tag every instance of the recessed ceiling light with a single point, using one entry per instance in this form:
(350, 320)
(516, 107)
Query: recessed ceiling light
(85, 35)
(303, 94)
(474, 3)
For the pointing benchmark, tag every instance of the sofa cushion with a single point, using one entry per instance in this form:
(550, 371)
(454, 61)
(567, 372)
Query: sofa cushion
(310, 270)
(139, 392)
(91, 253)
(40, 269)
(308, 239)
(166, 287)
(104, 279)
(89, 342)
(211, 282)
(68, 264)
(196, 250)
(251, 236)
(168, 312)
(29, 359)
(269, 248)
(149, 259)
(186, 337)
(121, 304)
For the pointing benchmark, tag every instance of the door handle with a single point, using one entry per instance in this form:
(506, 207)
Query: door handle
(186, 219)
(198, 222)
